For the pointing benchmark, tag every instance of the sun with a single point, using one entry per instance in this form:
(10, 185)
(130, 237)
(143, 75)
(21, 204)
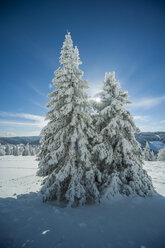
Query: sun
(97, 99)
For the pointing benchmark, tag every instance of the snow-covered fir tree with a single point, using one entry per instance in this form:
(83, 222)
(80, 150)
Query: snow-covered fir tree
(148, 154)
(122, 166)
(2, 150)
(161, 155)
(31, 150)
(8, 149)
(15, 150)
(19, 150)
(36, 149)
(26, 151)
(65, 157)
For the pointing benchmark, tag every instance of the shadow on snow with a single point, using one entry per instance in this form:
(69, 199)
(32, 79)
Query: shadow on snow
(123, 222)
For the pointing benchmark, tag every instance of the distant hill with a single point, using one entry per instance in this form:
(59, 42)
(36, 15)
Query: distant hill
(33, 140)
(156, 140)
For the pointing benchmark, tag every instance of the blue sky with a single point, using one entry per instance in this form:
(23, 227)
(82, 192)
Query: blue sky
(123, 36)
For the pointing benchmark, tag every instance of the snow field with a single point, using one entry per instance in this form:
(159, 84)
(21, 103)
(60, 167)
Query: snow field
(156, 169)
(17, 175)
(123, 222)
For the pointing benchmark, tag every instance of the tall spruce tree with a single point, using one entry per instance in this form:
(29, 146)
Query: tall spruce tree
(65, 157)
(122, 166)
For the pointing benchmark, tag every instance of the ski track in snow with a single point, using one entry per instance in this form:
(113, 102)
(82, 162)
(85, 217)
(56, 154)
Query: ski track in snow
(25, 221)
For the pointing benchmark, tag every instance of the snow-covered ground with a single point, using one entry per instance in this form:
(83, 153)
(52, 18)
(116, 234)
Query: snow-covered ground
(156, 169)
(17, 175)
(27, 222)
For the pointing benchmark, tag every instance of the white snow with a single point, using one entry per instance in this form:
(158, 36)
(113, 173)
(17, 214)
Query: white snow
(156, 169)
(17, 175)
(122, 222)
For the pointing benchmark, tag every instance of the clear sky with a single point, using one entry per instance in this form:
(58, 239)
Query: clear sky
(127, 37)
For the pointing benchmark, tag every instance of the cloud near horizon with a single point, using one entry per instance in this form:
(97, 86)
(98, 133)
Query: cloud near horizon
(148, 102)
(144, 118)
(38, 121)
